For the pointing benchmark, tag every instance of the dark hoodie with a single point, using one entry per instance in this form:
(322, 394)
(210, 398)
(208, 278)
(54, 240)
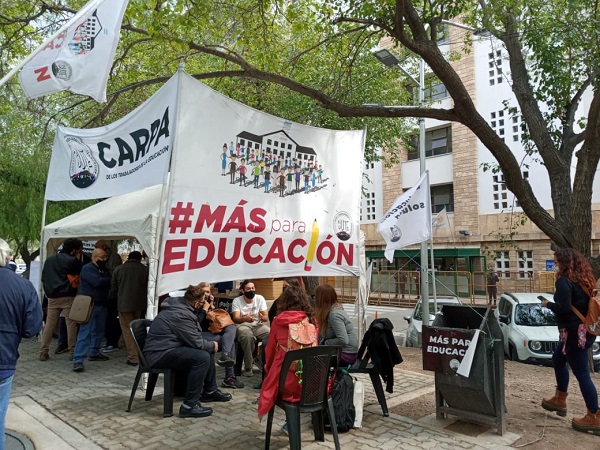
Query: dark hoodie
(175, 326)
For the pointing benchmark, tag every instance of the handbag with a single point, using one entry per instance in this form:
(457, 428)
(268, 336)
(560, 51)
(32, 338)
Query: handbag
(219, 319)
(82, 307)
(359, 402)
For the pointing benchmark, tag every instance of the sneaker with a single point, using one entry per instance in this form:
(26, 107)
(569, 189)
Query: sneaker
(194, 411)
(132, 363)
(226, 361)
(109, 349)
(78, 367)
(233, 383)
(61, 349)
(44, 357)
(247, 372)
(98, 357)
(284, 428)
(216, 396)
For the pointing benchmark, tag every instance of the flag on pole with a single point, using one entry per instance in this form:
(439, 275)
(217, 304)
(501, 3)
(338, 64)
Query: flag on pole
(79, 59)
(440, 220)
(408, 221)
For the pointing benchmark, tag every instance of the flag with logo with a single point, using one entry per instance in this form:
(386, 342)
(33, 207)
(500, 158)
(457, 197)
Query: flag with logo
(408, 221)
(440, 220)
(79, 59)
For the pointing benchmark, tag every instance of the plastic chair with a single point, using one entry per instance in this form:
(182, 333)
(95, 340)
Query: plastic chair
(362, 365)
(317, 365)
(139, 329)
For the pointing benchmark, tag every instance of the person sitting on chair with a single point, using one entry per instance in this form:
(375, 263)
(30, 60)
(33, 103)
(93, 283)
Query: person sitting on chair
(225, 339)
(249, 312)
(175, 341)
(335, 327)
(292, 308)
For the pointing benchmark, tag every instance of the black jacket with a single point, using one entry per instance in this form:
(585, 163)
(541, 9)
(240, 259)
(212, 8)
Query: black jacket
(54, 275)
(382, 349)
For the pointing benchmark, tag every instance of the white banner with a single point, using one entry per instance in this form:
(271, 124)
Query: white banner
(408, 221)
(440, 221)
(125, 156)
(80, 58)
(257, 196)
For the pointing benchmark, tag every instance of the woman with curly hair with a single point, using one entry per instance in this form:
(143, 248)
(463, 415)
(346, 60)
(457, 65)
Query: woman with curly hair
(293, 307)
(575, 284)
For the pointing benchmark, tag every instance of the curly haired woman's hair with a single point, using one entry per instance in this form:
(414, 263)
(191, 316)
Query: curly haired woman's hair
(573, 265)
(295, 299)
(195, 292)
(325, 299)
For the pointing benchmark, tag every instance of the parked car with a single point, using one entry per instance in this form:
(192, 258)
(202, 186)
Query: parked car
(529, 330)
(415, 320)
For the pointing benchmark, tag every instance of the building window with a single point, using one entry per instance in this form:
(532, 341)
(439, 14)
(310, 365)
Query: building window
(500, 192)
(437, 142)
(497, 123)
(495, 67)
(503, 264)
(442, 196)
(525, 264)
(436, 92)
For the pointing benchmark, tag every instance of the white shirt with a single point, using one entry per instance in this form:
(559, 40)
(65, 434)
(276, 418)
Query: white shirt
(249, 309)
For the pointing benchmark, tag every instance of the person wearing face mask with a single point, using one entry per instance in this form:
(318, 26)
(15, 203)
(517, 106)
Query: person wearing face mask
(249, 312)
(95, 282)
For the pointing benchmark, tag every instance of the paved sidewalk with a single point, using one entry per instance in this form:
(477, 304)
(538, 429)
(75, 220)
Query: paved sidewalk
(60, 409)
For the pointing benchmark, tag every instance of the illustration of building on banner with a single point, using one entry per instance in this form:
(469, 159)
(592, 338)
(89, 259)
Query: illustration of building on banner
(274, 162)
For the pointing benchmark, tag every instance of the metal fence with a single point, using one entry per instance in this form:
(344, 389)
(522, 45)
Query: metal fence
(402, 288)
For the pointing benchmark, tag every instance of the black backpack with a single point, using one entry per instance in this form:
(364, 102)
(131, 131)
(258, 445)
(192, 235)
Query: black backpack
(342, 396)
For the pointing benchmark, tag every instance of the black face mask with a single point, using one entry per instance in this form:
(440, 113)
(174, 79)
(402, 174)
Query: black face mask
(101, 264)
(250, 294)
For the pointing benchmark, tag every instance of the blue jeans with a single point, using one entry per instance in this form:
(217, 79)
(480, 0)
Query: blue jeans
(89, 338)
(226, 341)
(577, 358)
(5, 387)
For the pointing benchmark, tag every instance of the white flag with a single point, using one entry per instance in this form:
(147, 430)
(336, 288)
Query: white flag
(78, 59)
(408, 221)
(440, 220)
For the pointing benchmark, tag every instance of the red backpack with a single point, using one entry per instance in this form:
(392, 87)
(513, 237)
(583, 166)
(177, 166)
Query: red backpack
(592, 319)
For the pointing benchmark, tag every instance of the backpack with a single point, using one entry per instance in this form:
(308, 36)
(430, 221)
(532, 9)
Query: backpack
(492, 279)
(342, 396)
(592, 320)
(300, 335)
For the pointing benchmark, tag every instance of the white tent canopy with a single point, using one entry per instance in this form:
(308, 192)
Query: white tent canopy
(129, 216)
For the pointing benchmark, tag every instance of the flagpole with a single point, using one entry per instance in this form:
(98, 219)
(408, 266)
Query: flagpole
(82, 12)
(423, 168)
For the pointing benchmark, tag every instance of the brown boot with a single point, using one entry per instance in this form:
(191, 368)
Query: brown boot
(557, 403)
(589, 422)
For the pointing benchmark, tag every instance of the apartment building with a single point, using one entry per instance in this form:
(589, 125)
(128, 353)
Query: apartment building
(487, 226)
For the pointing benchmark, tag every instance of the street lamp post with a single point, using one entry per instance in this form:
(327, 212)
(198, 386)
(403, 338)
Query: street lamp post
(389, 59)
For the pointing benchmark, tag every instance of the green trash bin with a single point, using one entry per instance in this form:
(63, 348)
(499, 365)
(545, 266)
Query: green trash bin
(460, 334)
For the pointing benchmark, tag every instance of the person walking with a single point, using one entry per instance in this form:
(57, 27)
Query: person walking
(574, 286)
(20, 317)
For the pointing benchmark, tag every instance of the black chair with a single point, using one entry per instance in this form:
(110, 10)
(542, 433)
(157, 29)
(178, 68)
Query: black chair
(239, 357)
(139, 329)
(362, 365)
(318, 363)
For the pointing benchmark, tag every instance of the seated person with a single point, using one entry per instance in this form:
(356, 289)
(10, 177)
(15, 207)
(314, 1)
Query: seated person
(287, 282)
(335, 327)
(293, 307)
(225, 339)
(249, 312)
(175, 341)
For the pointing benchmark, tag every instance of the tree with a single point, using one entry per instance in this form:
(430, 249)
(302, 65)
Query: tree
(287, 57)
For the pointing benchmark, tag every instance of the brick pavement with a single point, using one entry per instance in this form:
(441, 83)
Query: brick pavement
(59, 409)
